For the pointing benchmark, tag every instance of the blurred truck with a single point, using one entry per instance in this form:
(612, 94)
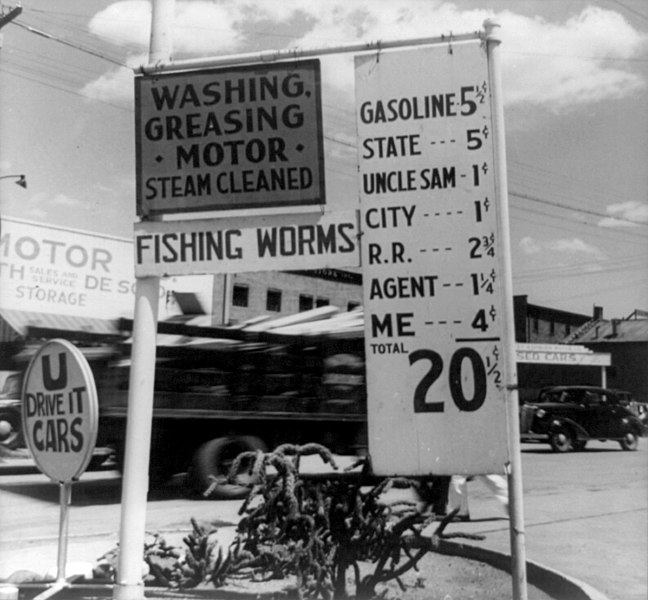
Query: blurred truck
(221, 391)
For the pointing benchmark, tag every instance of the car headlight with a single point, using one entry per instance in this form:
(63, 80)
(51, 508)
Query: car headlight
(540, 413)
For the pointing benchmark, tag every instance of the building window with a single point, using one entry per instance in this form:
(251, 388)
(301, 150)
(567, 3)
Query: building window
(535, 324)
(552, 327)
(322, 302)
(240, 295)
(567, 329)
(273, 300)
(305, 302)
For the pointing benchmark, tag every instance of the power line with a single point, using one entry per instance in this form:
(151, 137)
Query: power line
(630, 9)
(59, 40)
(582, 210)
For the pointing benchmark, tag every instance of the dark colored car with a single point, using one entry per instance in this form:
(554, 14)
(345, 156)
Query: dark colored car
(568, 416)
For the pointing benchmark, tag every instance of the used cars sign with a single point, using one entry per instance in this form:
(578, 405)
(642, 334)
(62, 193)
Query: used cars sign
(60, 410)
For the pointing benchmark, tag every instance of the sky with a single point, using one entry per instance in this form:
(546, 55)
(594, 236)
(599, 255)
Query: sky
(575, 78)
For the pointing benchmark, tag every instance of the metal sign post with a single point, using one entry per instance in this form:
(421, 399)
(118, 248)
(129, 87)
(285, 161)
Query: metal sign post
(60, 419)
(516, 506)
(65, 496)
(140, 388)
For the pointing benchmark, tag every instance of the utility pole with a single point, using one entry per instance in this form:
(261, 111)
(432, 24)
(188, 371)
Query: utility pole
(129, 585)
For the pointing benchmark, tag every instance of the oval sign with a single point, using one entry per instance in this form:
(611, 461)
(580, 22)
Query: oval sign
(60, 411)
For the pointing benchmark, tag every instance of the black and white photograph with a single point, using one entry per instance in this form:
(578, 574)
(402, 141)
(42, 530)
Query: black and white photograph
(323, 300)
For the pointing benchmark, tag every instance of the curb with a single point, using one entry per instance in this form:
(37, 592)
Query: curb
(556, 584)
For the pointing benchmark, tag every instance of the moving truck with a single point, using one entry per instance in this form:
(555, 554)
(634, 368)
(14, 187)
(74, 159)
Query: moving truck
(220, 391)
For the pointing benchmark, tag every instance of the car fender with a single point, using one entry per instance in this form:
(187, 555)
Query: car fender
(634, 425)
(579, 430)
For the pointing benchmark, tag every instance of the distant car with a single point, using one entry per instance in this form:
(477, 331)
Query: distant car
(10, 411)
(568, 416)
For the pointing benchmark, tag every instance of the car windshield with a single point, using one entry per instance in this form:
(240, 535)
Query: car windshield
(12, 385)
(576, 396)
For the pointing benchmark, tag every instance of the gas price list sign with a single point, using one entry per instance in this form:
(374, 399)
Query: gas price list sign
(431, 262)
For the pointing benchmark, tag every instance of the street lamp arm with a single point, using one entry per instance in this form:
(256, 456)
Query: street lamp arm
(21, 179)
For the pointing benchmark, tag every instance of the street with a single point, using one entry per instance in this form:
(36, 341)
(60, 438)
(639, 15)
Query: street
(585, 516)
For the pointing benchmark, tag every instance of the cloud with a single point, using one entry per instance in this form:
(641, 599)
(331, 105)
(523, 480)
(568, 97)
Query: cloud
(559, 65)
(556, 65)
(58, 201)
(66, 201)
(199, 26)
(529, 246)
(115, 85)
(625, 214)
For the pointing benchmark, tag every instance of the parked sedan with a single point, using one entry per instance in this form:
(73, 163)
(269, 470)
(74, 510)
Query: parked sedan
(568, 416)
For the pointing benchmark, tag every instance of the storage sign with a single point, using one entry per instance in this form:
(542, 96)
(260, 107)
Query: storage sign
(60, 411)
(236, 245)
(431, 262)
(219, 139)
(56, 270)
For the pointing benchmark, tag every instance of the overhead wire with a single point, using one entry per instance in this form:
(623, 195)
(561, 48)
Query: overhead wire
(339, 115)
(76, 46)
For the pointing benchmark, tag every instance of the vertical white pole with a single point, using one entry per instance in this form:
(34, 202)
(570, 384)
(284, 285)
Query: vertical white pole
(603, 376)
(65, 491)
(129, 585)
(516, 509)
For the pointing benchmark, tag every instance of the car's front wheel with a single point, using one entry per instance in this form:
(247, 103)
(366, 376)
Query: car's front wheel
(10, 430)
(561, 440)
(630, 441)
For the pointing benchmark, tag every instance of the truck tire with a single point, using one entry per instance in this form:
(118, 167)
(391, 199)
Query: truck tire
(214, 458)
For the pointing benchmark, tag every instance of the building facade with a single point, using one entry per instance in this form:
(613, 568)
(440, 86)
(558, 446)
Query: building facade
(627, 342)
(244, 296)
(541, 324)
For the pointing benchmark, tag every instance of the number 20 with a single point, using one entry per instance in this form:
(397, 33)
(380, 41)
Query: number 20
(456, 389)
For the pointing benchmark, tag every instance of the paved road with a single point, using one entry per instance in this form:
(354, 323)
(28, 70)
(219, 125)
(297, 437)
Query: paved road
(586, 515)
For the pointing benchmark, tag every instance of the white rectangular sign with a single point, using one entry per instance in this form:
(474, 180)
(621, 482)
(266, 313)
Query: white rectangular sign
(236, 245)
(64, 271)
(241, 137)
(431, 262)
(555, 354)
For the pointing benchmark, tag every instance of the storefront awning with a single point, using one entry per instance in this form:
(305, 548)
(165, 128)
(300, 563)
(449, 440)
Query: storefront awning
(15, 323)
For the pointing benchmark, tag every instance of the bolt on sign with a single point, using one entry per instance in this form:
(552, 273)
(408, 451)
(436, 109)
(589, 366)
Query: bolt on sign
(431, 262)
(219, 139)
(60, 410)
